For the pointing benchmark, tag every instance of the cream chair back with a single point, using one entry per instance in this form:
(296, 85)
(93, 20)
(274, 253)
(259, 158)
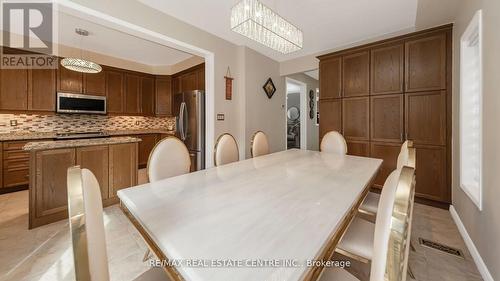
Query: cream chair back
(87, 226)
(260, 145)
(226, 150)
(169, 158)
(406, 155)
(333, 142)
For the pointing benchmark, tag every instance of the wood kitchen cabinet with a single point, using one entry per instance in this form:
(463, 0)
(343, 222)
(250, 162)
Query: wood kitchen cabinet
(95, 158)
(200, 79)
(330, 82)
(189, 82)
(431, 176)
(94, 83)
(388, 152)
(358, 148)
(176, 85)
(114, 91)
(386, 118)
(69, 81)
(387, 66)
(42, 89)
(163, 96)
(356, 74)
(426, 117)
(355, 118)
(122, 167)
(146, 145)
(331, 112)
(15, 164)
(13, 89)
(148, 95)
(132, 94)
(426, 63)
(48, 195)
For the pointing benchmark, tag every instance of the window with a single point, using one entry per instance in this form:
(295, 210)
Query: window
(471, 110)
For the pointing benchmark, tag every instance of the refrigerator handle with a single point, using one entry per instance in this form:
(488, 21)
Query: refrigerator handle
(186, 125)
(181, 120)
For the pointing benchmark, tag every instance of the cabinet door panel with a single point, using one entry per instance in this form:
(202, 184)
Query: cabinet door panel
(355, 118)
(132, 94)
(330, 73)
(426, 117)
(122, 167)
(114, 91)
(148, 95)
(51, 183)
(163, 96)
(356, 74)
(146, 145)
(95, 158)
(188, 81)
(387, 70)
(42, 90)
(330, 116)
(95, 83)
(358, 148)
(386, 118)
(431, 173)
(13, 89)
(69, 81)
(389, 153)
(426, 63)
(176, 85)
(200, 79)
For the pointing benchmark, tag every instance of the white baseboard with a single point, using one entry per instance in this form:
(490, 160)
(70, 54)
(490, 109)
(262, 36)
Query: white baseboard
(478, 260)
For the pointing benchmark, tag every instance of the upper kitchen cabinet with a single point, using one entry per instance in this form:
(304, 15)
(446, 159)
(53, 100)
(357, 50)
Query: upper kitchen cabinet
(355, 118)
(387, 70)
(426, 117)
(42, 89)
(189, 82)
(69, 81)
(200, 78)
(163, 96)
(176, 85)
(330, 82)
(13, 89)
(132, 94)
(94, 83)
(330, 112)
(356, 70)
(114, 91)
(426, 63)
(148, 95)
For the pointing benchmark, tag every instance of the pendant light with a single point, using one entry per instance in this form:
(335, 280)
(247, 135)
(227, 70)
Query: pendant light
(80, 64)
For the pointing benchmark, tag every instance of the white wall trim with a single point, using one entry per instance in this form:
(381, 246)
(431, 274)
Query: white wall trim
(109, 21)
(478, 260)
(303, 112)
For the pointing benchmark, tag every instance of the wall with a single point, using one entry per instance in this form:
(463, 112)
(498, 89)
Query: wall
(312, 129)
(262, 113)
(482, 226)
(34, 123)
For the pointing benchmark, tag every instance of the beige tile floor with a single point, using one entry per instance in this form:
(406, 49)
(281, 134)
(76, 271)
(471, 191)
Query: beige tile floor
(45, 253)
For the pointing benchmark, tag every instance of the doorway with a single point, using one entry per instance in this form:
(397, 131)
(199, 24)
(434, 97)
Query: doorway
(295, 114)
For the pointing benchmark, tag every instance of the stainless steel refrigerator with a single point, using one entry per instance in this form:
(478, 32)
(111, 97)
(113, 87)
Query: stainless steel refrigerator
(189, 111)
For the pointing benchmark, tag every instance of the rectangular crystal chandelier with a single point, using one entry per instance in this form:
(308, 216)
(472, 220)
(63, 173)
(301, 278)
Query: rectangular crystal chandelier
(254, 20)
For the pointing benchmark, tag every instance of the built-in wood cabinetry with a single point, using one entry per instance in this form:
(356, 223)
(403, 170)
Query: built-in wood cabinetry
(69, 81)
(380, 94)
(115, 91)
(14, 89)
(94, 83)
(148, 95)
(132, 94)
(163, 96)
(41, 89)
(189, 80)
(115, 167)
(15, 164)
(146, 145)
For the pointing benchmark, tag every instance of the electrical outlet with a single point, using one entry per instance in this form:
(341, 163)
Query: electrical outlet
(13, 123)
(137, 123)
(220, 117)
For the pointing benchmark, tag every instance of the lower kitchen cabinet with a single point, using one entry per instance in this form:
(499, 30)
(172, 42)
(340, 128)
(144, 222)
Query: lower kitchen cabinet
(146, 145)
(95, 158)
(389, 153)
(115, 167)
(15, 165)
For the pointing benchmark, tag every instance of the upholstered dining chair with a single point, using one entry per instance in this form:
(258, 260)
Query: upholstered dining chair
(391, 234)
(406, 157)
(87, 229)
(169, 158)
(333, 142)
(260, 144)
(226, 150)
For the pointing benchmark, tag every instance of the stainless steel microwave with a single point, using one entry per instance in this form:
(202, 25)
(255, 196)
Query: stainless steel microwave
(78, 103)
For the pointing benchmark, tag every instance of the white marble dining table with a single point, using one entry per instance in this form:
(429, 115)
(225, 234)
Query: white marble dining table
(265, 218)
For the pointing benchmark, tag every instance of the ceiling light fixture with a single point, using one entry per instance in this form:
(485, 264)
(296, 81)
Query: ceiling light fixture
(254, 20)
(80, 64)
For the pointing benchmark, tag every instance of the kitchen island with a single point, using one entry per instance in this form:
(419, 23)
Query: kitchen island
(113, 161)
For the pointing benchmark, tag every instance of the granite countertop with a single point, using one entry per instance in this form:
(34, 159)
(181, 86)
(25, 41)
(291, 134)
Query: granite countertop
(43, 145)
(51, 135)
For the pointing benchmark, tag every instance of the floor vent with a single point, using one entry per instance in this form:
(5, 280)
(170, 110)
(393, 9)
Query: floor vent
(441, 247)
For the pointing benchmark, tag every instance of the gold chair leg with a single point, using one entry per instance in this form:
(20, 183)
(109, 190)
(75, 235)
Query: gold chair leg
(410, 272)
(147, 254)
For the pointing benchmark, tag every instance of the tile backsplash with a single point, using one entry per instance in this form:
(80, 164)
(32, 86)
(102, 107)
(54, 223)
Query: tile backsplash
(27, 123)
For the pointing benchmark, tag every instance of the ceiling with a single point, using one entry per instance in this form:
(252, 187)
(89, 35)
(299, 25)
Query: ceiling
(314, 74)
(116, 44)
(326, 24)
